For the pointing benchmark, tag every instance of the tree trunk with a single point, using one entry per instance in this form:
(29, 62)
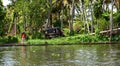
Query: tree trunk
(111, 21)
(46, 24)
(11, 24)
(48, 20)
(62, 19)
(92, 20)
(71, 17)
(86, 21)
(15, 21)
(83, 14)
(50, 14)
(24, 22)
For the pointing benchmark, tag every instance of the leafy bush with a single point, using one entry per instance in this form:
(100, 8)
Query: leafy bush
(66, 31)
(116, 38)
(12, 39)
(77, 27)
(103, 24)
(97, 33)
(71, 33)
(37, 36)
(116, 20)
(2, 41)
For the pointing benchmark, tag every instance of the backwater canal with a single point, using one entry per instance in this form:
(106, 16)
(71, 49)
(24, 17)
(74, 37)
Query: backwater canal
(66, 55)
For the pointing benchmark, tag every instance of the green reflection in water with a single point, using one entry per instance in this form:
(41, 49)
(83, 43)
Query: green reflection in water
(73, 55)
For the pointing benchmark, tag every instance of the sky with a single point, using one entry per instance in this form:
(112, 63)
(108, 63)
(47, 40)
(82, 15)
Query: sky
(5, 2)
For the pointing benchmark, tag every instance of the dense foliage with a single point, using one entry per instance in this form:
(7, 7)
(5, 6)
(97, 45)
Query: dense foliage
(72, 16)
(2, 16)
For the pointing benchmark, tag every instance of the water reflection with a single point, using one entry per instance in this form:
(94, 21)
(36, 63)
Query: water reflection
(80, 55)
(6, 57)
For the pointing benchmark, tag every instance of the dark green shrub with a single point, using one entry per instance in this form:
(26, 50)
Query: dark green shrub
(14, 39)
(97, 33)
(77, 27)
(11, 39)
(66, 31)
(116, 38)
(2, 41)
(37, 36)
(71, 33)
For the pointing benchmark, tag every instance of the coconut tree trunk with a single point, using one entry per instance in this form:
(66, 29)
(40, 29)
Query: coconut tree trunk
(48, 20)
(62, 19)
(83, 14)
(71, 16)
(50, 14)
(24, 22)
(111, 21)
(88, 29)
(92, 20)
(15, 22)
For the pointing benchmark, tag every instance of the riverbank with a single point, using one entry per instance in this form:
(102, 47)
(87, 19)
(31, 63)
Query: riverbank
(20, 44)
(9, 40)
(85, 39)
(78, 39)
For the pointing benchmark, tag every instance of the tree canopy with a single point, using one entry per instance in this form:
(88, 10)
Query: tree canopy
(33, 16)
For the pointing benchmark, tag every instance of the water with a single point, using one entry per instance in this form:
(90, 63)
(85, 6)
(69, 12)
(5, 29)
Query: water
(73, 55)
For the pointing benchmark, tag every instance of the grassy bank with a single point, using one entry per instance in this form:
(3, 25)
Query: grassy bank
(77, 39)
(9, 39)
(70, 40)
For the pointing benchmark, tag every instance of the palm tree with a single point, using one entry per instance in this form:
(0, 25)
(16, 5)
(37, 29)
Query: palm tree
(92, 20)
(72, 7)
(111, 20)
(49, 20)
(106, 5)
(117, 4)
(84, 14)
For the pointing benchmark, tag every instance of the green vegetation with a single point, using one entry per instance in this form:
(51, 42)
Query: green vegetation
(77, 18)
(65, 40)
(9, 39)
(78, 39)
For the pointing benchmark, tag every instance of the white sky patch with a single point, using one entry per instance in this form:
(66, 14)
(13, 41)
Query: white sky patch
(114, 9)
(6, 2)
